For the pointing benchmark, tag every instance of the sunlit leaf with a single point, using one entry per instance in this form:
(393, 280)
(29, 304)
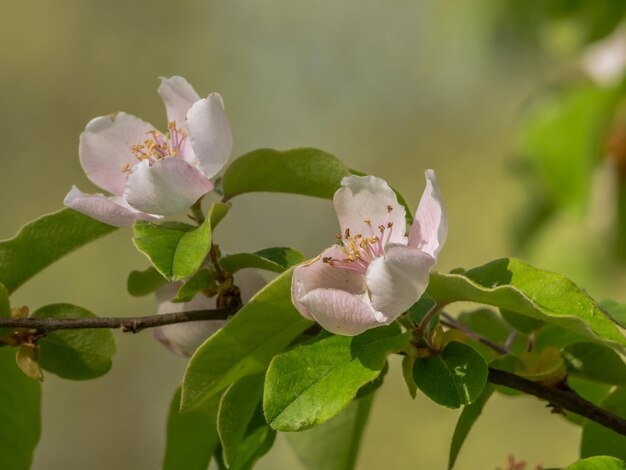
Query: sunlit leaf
(245, 346)
(514, 285)
(602, 462)
(43, 241)
(310, 384)
(176, 250)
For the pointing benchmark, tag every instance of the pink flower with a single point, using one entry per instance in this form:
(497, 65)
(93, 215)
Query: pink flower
(376, 273)
(151, 174)
(184, 338)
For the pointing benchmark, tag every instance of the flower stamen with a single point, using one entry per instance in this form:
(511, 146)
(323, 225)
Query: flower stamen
(160, 146)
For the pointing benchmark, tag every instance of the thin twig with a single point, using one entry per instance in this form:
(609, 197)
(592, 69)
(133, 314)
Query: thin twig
(126, 324)
(451, 322)
(566, 399)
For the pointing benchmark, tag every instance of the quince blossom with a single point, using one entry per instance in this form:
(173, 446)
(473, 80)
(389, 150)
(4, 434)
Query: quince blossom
(184, 338)
(151, 174)
(376, 272)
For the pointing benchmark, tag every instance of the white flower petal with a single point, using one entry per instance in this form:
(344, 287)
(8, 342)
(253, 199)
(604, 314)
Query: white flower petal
(105, 148)
(168, 186)
(364, 198)
(210, 135)
(430, 226)
(184, 338)
(178, 96)
(110, 210)
(397, 280)
(340, 312)
(316, 275)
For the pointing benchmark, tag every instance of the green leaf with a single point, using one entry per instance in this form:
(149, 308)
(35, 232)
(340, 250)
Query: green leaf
(595, 362)
(514, 285)
(599, 440)
(217, 212)
(602, 462)
(335, 444)
(615, 310)
(74, 354)
(489, 324)
(468, 417)
(237, 408)
(145, 282)
(420, 309)
(20, 403)
(453, 378)
(591, 391)
(258, 439)
(5, 306)
(177, 250)
(245, 346)
(270, 259)
(310, 384)
(556, 336)
(43, 241)
(521, 323)
(202, 279)
(192, 436)
(307, 171)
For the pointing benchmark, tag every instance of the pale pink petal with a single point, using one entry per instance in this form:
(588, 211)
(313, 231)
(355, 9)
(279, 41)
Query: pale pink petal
(315, 275)
(178, 96)
(166, 187)
(397, 280)
(364, 198)
(340, 312)
(210, 134)
(110, 210)
(184, 338)
(105, 149)
(430, 226)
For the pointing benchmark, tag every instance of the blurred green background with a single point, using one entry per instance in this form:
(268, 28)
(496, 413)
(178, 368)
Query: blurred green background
(390, 87)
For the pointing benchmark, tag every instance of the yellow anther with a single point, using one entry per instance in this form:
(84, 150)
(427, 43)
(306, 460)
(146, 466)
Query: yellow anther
(338, 236)
(347, 235)
(389, 208)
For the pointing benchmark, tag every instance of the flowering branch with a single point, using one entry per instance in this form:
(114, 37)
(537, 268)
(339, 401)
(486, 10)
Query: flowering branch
(126, 324)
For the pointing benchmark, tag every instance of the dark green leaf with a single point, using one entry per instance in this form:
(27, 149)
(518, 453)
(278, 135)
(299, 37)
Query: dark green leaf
(306, 171)
(310, 384)
(259, 331)
(335, 444)
(420, 309)
(595, 362)
(145, 282)
(5, 306)
(602, 462)
(258, 440)
(514, 285)
(521, 323)
(237, 408)
(489, 324)
(202, 279)
(453, 378)
(591, 391)
(599, 440)
(270, 259)
(616, 310)
(468, 417)
(192, 436)
(74, 354)
(176, 250)
(20, 403)
(44, 241)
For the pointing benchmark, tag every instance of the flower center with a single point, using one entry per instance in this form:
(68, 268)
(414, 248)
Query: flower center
(361, 250)
(160, 146)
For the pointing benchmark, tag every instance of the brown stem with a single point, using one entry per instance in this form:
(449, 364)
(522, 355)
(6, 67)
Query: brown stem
(563, 398)
(127, 324)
